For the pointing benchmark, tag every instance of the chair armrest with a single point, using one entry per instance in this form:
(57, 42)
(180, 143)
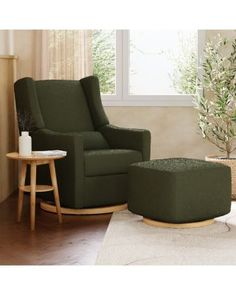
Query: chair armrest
(70, 170)
(135, 139)
(48, 139)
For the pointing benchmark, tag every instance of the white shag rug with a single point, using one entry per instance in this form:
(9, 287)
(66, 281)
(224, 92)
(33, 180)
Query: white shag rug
(128, 241)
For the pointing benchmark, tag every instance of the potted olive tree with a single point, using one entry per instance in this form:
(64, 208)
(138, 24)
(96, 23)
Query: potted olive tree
(216, 101)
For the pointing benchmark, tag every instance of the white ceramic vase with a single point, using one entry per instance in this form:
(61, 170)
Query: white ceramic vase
(25, 144)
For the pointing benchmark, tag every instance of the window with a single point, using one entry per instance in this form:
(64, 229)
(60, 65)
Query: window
(149, 67)
(104, 59)
(133, 67)
(162, 63)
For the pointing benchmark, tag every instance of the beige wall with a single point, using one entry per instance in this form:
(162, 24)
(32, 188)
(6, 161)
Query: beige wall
(174, 129)
(21, 43)
(24, 47)
(226, 33)
(4, 42)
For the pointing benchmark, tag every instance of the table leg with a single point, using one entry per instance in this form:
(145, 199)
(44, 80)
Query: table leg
(32, 194)
(55, 191)
(22, 177)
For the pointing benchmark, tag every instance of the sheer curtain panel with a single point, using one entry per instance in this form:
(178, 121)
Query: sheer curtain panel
(69, 54)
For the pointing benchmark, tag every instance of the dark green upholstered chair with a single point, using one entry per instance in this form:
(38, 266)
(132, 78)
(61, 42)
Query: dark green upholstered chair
(69, 115)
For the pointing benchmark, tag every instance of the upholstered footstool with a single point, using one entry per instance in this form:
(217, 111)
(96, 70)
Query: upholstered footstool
(179, 192)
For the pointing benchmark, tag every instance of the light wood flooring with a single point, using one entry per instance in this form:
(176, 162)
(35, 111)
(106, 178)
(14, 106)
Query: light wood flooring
(76, 241)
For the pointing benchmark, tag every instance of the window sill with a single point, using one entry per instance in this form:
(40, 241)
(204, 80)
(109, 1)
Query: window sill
(170, 101)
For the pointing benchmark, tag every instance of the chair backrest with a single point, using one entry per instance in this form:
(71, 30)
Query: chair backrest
(61, 105)
(64, 106)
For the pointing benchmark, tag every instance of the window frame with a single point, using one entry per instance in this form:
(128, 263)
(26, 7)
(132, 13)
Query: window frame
(122, 96)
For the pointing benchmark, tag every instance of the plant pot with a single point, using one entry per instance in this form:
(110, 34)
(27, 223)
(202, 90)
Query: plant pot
(228, 162)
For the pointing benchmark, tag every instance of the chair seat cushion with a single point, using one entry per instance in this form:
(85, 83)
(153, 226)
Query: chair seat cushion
(109, 161)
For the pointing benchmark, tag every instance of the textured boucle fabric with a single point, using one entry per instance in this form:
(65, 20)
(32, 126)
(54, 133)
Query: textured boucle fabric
(177, 164)
(179, 190)
(127, 138)
(109, 161)
(69, 115)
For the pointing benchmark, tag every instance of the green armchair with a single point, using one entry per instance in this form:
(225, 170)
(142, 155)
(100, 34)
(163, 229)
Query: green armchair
(69, 115)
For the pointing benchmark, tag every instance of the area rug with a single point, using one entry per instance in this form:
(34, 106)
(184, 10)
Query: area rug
(128, 241)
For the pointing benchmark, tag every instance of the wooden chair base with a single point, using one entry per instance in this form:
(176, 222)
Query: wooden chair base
(177, 225)
(50, 207)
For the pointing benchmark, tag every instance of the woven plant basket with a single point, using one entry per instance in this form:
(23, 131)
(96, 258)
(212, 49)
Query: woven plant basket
(228, 162)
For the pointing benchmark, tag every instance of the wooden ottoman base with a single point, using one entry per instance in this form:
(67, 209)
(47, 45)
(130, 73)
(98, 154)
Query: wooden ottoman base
(177, 225)
(50, 207)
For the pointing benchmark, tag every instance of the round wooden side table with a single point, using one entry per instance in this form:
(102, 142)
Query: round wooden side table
(35, 161)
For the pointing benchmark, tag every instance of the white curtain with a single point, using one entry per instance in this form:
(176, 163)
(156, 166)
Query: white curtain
(49, 54)
(69, 54)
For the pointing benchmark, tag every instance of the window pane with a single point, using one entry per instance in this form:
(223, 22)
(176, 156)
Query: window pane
(162, 62)
(104, 59)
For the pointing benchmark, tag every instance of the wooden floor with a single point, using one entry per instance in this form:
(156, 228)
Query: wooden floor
(76, 241)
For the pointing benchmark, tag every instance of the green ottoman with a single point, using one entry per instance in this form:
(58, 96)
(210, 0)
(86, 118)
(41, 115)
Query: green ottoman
(179, 192)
